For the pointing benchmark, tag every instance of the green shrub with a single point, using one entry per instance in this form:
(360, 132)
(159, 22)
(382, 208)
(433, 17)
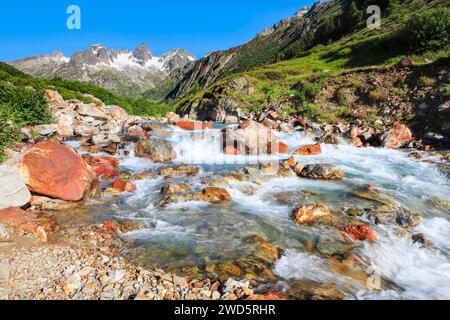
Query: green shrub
(310, 110)
(345, 52)
(428, 29)
(426, 82)
(9, 129)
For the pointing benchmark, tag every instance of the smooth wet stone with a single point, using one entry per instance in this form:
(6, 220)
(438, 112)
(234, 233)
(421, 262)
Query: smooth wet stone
(310, 290)
(333, 247)
(216, 195)
(322, 172)
(174, 188)
(131, 225)
(328, 139)
(187, 170)
(155, 150)
(375, 197)
(441, 203)
(397, 216)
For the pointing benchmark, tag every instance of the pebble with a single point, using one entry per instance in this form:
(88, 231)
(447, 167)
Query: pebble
(80, 268)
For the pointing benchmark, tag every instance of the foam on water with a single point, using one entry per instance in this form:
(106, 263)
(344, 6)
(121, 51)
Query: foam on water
(303, 266)
(438, 231)
(421, 272)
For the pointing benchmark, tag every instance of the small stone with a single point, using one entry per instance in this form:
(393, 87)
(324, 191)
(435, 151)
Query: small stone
(116, 275)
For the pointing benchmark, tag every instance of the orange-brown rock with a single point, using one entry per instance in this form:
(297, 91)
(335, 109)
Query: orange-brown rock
(193, 125)
(174, 188)
(359, 232)
(124, 186)
(309, 150)
(231, 151)
(216, 195)
(268, 296)
(310, 213)
(104, 167)
(57, 171)
(397, 137)
(277, 147)
(290, 162)
(38, 224)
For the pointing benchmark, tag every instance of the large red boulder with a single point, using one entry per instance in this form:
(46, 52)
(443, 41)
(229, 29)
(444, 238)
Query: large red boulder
(309, 150)
(57, 171)
(397, 137)
(193, 125)
(104, 167)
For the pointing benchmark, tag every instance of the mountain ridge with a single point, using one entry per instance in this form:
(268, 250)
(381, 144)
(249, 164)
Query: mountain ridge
(122, 71)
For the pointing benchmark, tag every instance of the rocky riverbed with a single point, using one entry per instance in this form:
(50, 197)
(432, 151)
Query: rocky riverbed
(97, 205)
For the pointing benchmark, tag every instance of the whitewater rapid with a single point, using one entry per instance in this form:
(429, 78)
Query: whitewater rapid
(194, 232)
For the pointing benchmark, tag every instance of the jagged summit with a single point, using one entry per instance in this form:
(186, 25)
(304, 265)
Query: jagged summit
(123, 71)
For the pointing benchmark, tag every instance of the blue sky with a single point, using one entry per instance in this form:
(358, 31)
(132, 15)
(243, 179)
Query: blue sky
(37, 27)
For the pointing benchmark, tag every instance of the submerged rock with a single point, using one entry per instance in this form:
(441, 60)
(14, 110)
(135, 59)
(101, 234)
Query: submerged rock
(187, 170)
(310, 290)
(155, 150)
(174, 188)
(335, 247)
(322, 172)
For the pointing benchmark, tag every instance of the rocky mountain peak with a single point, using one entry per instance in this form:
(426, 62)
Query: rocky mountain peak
(143, 54)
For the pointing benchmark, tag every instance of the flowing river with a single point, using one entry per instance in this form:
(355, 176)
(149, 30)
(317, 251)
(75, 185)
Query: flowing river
(197, 234)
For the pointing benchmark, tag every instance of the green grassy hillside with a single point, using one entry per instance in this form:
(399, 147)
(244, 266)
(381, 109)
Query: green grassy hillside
(22, 102)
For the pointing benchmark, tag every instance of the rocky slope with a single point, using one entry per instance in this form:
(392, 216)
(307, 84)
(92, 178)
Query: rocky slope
(124, 72)
(308, 25)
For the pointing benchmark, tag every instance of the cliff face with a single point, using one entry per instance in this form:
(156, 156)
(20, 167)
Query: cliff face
(286, 38)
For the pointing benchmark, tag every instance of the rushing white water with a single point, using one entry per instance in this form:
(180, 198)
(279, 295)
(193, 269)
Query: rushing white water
(196, 233)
